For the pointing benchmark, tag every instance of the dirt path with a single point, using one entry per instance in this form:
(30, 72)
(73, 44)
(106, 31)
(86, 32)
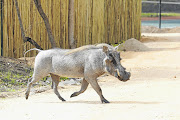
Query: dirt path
(151, 94)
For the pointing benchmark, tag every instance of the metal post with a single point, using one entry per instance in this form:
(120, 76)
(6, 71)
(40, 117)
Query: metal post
(159, 14)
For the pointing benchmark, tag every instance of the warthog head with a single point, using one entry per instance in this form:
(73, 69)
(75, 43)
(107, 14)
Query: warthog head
(113, 66)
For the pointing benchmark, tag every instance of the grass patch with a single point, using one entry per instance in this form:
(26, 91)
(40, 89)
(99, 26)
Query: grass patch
(10, 82)
(162, 14)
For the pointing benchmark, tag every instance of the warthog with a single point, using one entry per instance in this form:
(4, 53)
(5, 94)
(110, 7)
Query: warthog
(87, 62)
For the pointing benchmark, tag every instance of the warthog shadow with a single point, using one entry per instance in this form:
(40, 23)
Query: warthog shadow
(111, 102)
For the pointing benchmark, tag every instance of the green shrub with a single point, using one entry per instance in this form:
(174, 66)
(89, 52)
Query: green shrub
(162, 14)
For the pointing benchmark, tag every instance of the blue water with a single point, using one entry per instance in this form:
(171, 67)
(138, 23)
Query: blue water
(164, 23)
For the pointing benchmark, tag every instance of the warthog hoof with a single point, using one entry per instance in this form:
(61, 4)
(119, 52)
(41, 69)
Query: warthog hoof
(63, 100)
(105, 101)
(27, 95)
(74, 95)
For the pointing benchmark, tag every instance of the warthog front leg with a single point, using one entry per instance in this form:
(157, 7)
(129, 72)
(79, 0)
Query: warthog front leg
(84, 86)
(97, 88)
(55, 79)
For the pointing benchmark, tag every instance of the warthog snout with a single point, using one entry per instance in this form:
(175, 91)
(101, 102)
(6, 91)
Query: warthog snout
(123, 76)
(126, 76)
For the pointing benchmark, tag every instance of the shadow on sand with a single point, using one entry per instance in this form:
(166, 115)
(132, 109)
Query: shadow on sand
(111, 102)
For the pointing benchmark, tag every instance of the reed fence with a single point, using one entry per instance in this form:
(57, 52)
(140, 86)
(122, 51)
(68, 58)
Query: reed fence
(96, 21)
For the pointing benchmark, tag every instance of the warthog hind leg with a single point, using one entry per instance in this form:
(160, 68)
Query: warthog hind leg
(28, 88)
(31, 81)
(55, 79)
(84, 86)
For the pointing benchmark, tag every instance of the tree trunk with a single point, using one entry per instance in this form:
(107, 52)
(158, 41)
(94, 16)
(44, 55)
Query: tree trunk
(71, 24)
(20, 20)
(28, 39)
(25, 39)
(46, 21)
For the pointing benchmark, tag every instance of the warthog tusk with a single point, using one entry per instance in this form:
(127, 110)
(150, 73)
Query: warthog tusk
(118, 72)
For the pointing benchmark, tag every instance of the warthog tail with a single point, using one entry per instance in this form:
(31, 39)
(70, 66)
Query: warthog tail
(31, 50)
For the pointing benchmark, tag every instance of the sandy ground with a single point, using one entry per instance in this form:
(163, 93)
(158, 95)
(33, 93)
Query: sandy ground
(151, 94)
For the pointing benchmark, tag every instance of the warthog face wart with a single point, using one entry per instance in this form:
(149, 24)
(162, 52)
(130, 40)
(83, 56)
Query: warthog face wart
(113, 65)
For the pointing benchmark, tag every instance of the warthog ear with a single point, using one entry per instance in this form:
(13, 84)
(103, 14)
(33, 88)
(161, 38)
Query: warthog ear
(105, 49)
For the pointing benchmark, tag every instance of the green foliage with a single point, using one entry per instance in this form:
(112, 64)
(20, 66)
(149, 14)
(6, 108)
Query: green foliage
(10, 80)
(157, 14)
(8, 75)
(114, 45)
(63, 78)
(11, 90)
